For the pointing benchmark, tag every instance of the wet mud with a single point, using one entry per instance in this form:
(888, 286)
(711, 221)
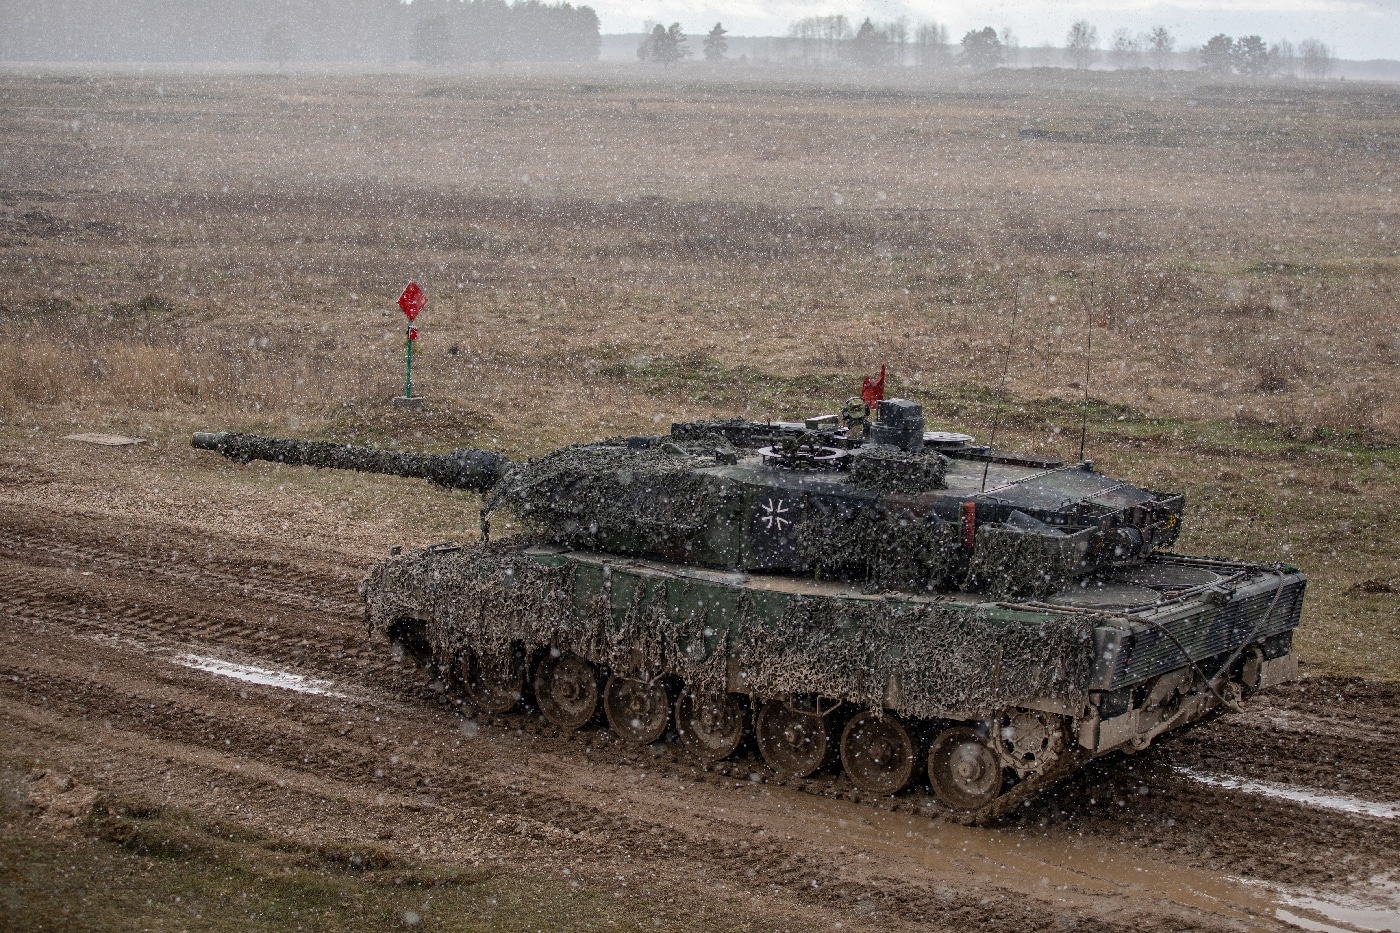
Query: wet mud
(237, 677)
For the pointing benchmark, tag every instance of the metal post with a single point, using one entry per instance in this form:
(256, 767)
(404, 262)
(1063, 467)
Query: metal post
(408, 370)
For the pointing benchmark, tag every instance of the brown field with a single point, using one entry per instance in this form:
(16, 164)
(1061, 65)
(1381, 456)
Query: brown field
(605, 253)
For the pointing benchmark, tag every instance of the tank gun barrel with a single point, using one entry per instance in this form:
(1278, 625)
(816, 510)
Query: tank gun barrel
(468, 468)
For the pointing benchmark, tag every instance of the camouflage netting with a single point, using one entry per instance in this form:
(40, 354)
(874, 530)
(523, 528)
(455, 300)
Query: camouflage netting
(740, 432)
(920, 660)
(890, 469)
(887, 547)
(613, 498)
(916, 658)
(1023, 563)
(462, 469)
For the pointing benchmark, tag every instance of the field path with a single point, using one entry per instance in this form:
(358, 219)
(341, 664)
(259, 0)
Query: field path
(234, 676)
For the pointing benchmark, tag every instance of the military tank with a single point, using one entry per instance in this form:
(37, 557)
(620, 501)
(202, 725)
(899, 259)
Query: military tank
(851, 591)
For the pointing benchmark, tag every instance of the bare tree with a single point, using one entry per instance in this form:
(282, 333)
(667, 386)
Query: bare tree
(432, 40)
(1161, 42)
(821, 39)
(836, 32)
(898, 33)
(804, 33)
(1080, 44)
(1125, 51)
(931, 46)
(1010, 47)
(1285, 58)
(1316, 59)
(1042, 56)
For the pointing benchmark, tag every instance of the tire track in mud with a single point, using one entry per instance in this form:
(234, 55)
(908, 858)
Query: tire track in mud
(1340, 735)
(49, 594)
(323, 587)
(170, 596)
(536, 822)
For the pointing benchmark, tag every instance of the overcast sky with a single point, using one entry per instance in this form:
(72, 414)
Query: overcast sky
(1354, 28)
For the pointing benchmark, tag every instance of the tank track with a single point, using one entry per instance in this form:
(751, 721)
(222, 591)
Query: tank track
(831, 781)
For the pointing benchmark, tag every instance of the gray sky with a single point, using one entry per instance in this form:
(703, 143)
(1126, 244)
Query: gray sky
(1354, 28)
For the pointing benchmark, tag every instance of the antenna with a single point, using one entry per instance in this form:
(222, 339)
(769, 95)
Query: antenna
(1088, 356)
(1001, 397)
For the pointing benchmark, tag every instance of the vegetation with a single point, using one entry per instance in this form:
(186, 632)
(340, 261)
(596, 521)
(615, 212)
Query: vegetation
(437, 32)
(664, 45)
(715, 44)
(982, 49)
(1241, 347)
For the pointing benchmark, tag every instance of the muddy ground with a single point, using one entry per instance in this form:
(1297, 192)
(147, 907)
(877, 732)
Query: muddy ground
(195, 732)
(133, 634)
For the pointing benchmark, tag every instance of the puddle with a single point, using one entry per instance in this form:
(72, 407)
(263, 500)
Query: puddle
(1342, 803)
(1374, 908)
(260, 675)
(1063, 871)
(105, 440)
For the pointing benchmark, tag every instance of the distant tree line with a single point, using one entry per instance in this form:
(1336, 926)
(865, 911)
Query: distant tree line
(833, 40)
(280, 31)
(449, 31)
(1249, 55)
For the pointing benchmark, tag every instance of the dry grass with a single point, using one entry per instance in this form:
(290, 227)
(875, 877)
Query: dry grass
(605, 253)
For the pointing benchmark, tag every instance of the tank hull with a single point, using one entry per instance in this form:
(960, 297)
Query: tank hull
(1045, 685)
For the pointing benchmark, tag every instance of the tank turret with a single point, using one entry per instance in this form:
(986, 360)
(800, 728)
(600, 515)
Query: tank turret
(887, 504)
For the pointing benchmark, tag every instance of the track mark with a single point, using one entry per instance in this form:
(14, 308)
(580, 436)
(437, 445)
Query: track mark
(261, 675)
(1342, 803)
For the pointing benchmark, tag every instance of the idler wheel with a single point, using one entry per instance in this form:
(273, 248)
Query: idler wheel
(794, 742)
(493, 681)
(566, 689)
(638, 710)
(963, 769)
(878, 753)
(711, 725)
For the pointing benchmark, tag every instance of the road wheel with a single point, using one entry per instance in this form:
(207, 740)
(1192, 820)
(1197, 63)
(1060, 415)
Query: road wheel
(878, 753)
(566, 689)
(964, 769)
(794, 742)
(711, 725)
(638, 710)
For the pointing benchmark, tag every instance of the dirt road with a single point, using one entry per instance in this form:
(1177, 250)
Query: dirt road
(229, 673)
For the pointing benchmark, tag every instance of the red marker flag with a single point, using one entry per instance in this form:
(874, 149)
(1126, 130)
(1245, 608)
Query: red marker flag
(873, 390)
(412, 301)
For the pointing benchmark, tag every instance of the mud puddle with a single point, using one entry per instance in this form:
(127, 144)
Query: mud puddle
(1373, 907)
(1064, 869)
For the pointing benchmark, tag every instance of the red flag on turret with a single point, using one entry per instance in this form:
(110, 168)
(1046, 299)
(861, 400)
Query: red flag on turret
(873, 390)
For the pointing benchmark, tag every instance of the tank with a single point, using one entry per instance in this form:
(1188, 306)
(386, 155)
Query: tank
(851, 591)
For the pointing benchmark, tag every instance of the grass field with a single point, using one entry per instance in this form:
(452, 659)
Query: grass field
(605, 253)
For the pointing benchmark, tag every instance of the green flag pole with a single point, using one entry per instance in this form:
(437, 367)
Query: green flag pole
(408, 369)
